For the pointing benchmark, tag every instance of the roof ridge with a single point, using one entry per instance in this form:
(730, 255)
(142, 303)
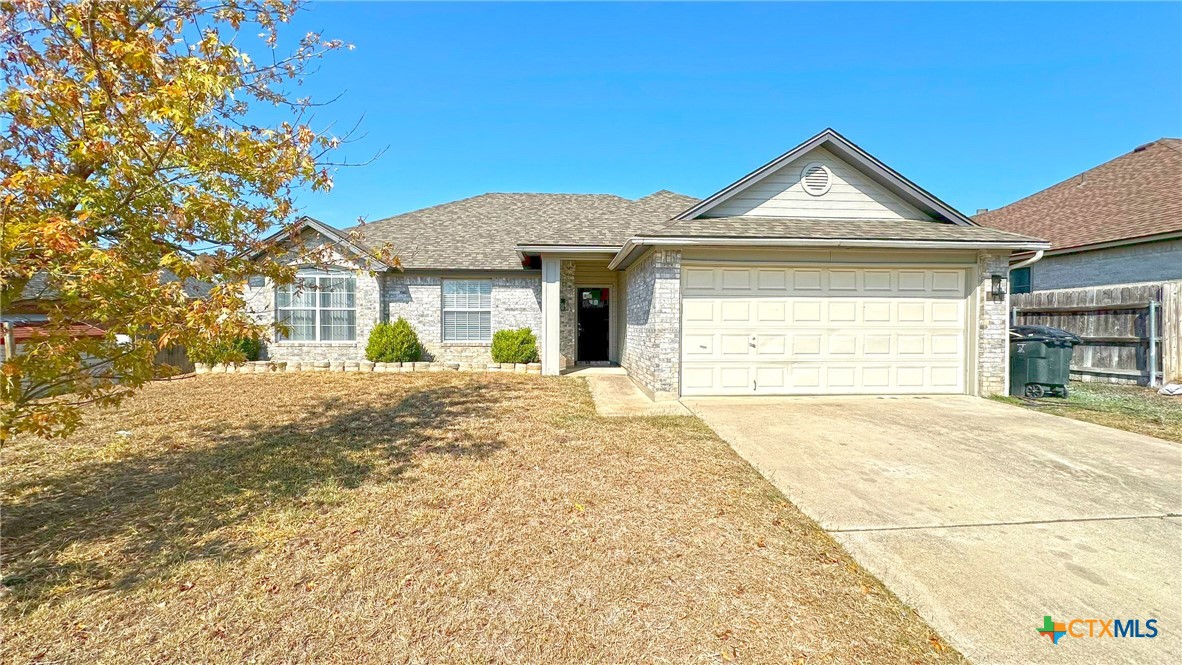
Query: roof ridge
(1171, 142)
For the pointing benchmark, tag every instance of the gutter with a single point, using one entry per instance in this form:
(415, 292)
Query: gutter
(633, 243)
(522, 250)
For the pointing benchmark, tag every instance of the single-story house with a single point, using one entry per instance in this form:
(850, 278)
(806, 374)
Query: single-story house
(1118, 223)
(823, 271)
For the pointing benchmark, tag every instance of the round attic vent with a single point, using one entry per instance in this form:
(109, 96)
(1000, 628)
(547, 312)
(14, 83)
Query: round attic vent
(816, 178)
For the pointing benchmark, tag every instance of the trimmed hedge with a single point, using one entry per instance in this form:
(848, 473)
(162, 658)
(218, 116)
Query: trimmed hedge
(393, 343)
(515, 346)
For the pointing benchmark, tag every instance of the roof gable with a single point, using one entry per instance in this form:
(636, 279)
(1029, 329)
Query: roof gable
(862, 188)
(850, 194)
(312, 239)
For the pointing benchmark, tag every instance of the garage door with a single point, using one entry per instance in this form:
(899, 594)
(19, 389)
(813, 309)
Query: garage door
(808, 330)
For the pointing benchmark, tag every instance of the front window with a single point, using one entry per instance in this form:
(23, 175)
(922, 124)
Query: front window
(318, 307)
(467, 310)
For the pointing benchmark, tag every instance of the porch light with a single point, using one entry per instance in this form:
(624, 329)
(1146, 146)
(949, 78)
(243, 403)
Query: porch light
(998, 291)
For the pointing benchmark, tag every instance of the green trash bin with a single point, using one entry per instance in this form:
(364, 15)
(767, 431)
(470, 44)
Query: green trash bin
(1040, 360)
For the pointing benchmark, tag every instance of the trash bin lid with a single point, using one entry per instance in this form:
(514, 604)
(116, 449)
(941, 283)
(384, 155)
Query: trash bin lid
(1044, 333)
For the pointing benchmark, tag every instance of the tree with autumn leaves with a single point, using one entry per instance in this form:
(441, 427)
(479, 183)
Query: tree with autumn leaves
(135, 161)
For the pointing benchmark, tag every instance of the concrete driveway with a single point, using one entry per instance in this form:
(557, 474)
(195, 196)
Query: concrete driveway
(982, 516)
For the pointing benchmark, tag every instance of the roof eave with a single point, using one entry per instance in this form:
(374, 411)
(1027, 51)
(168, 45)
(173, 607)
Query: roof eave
(633, 244)
(535, 249)
(1109, 244)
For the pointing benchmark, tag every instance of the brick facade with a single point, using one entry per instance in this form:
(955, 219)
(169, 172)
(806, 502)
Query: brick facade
(992, 327)
(260, 304)
(1131, 264)
(516, 303)
(567, 316)
(385, 296)
(652, 333)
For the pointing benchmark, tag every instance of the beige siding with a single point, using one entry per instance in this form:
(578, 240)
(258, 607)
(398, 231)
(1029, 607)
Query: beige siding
(852, 195)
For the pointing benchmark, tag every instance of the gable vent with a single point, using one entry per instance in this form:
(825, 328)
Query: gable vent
(816, 178)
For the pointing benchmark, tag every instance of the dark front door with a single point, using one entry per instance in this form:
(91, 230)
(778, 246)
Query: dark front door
(593, 324)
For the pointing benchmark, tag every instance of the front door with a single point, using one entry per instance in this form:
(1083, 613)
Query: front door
(593, 325)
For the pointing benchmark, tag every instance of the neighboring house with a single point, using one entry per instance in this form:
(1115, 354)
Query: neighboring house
(1119, 223)
(25, 318)
(822, 272)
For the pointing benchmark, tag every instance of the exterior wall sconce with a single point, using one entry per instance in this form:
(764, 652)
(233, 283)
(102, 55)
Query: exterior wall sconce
(998, 290)
(562, 304)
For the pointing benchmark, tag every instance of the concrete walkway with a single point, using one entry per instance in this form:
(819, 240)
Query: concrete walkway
(615, 395)
(983, 516)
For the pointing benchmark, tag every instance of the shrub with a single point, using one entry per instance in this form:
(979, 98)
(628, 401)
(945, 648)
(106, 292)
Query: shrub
(515, 346)
(393, 343)
(239, 350)
(251, 347)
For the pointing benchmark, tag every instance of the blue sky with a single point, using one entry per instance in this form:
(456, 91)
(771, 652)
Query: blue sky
(981, 104)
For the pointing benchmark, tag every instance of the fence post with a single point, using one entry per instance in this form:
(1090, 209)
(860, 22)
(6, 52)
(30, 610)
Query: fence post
(1152, 344)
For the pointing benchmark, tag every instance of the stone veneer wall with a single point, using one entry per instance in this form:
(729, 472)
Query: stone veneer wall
(516, 303)
(652, 334)
(567, 321)
(260, 302)
(992, 326)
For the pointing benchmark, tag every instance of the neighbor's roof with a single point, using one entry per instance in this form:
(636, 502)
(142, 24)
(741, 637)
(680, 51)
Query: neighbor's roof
(1135, 195)
(834, 229)
(38, 287)
(482, 232)
(23, 331)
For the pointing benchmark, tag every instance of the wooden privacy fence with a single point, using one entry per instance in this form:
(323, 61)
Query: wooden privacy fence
(175, 356)
(1114, 323)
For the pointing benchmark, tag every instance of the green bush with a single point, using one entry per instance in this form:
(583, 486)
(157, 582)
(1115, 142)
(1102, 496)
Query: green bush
(393, 343)
(239, 350)
(251, 347)
(515, 346)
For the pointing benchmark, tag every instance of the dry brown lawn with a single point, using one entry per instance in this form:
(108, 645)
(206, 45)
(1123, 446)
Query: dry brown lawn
(418, 518)
(1131, 408)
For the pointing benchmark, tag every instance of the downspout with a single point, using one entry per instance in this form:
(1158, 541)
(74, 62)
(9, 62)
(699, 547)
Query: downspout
(1022, 264)
(1030, 261)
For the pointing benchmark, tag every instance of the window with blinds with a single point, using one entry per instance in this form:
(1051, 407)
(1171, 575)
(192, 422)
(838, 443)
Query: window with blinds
(467, 310)
(318, 307)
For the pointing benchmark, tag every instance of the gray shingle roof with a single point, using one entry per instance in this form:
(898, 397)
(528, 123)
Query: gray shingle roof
(831, 229)
(619, 224)
(38, 287)
(481, 232)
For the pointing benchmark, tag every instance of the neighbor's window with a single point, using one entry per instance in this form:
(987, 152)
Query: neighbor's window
(318, 307)
(467, 310)
(1020, 280)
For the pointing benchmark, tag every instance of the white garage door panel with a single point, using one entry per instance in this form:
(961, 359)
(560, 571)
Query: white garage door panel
(810, 330)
